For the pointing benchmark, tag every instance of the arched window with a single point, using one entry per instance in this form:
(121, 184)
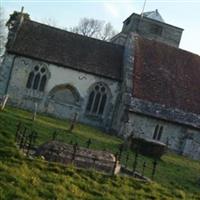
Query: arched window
(43, 83)
(37, 79)
(30, 80)
(97, 99)
(36, 82)
(157, 132)
(65, 94)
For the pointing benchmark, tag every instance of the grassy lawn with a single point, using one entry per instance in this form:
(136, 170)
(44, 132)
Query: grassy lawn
(22, 178)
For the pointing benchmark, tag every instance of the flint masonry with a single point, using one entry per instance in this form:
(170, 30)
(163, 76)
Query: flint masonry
(138, 84)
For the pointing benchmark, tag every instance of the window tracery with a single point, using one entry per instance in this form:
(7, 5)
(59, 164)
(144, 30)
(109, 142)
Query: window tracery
(37, 78)
(97, 99)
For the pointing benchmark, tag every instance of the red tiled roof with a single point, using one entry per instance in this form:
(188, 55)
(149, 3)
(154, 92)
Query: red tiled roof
(166, 75)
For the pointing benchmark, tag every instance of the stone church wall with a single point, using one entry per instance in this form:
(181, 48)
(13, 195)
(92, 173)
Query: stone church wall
(121, 115)
(179, 138)
(57, 76)
(5, 68)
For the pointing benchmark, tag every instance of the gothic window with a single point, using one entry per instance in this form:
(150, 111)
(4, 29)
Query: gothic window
(158, 132)
(37, 79)
(36, 82)
(30, 80)
(97, 99)
(43, 83)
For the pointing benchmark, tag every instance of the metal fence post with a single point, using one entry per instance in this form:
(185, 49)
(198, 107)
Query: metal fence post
(35, 135)
(143, 168)
(121, 148)
(154, 169)
(29, 143)
(88, 143)
(94, 161)
(22, 137)
(19, 125)
(73, 122)
(75, 146)
(127, 159)
(54, 135)
(135, 162)
(25, 142)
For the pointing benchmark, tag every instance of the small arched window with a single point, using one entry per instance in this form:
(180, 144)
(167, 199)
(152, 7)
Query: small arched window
(158, 132)
(37, 79)
(97, 99)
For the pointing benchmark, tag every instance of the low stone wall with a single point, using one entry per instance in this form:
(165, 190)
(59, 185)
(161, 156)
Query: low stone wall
(81, 157)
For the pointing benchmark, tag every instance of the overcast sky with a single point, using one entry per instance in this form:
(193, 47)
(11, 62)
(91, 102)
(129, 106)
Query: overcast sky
(182, 13)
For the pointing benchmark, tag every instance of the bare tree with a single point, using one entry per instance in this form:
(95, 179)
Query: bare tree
(107, 32)
(50, 21)
(94, 28)
(3, 33)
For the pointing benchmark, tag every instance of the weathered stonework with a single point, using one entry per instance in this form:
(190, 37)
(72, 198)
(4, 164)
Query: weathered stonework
(179, 138)
(144, 86)
(83, 157)
(23, 97)
(5, 71)
(163, 112)
(145, 27)
(139, 118)
(126, 87)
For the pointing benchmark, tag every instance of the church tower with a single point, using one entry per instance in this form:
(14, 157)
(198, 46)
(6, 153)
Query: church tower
(152, 26)
(149, 26)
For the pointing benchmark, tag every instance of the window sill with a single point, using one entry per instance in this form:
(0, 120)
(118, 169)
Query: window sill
(34, 94)
(94, 117)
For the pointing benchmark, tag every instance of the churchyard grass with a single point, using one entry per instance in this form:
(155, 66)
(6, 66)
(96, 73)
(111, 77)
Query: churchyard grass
(21, 178)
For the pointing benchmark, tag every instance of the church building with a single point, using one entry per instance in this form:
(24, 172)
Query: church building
(140, 83)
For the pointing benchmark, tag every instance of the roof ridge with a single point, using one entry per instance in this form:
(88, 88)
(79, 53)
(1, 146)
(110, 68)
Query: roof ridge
(69, 50)
(75, 34)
